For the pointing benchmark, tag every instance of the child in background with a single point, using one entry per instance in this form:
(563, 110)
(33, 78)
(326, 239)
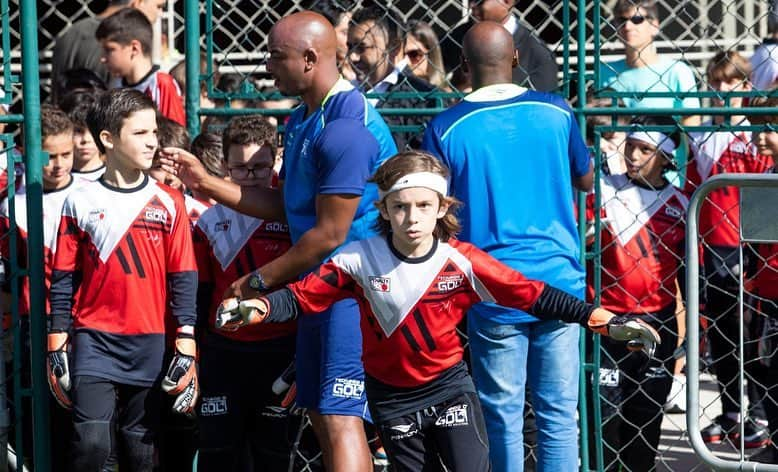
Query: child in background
(126, 38)
(414, 284)
(207, 147)
(88, 162)
(715, 153)
(644, 221)
(765, 283)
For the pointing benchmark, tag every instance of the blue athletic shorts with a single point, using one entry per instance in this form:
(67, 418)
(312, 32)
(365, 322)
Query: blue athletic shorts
(330, 377)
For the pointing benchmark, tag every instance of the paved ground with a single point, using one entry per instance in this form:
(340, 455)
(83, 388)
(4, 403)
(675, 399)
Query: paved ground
(676, 451)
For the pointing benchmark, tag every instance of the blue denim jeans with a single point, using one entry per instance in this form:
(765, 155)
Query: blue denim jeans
(544, 355)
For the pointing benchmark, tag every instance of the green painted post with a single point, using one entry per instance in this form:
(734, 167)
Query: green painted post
(34, 189)
(192, 22)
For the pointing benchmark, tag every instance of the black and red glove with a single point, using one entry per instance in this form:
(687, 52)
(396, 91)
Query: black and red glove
(58, 369)
(181, 378)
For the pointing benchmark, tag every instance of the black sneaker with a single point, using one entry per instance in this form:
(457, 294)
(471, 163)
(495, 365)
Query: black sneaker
(755, 435)
(722, 427)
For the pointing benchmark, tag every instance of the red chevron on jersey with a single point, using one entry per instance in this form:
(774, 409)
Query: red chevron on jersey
(642, 245)
(52, 210)
(229, 245)
(411, 307)
(125, 243)
(716, 153)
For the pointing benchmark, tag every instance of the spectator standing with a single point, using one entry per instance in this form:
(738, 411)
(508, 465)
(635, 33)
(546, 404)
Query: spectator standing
(537, 68)
(481, 139)
(333, 142)
(126, 38)
(421, 49)
(644, 70)
(374, 45)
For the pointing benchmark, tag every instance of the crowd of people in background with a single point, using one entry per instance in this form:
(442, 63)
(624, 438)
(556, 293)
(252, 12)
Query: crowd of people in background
(152, 236)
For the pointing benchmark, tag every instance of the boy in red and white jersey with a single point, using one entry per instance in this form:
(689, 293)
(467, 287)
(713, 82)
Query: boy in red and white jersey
(126, 38)
(642, 247)
(239, 404)
(125, 245)
(715, 153)
(765, 286)
(413, 284)
(88, 162)
(58, 183)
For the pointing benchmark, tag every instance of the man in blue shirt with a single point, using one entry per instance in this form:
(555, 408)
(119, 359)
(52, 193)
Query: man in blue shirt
(515, 156)
(334, 142)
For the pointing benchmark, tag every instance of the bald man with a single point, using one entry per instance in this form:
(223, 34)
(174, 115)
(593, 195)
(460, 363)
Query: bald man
(333, 143)
(502, 141)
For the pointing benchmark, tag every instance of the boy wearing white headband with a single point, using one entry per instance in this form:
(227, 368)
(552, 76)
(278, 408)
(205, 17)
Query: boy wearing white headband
(642, 249)
(414, 283)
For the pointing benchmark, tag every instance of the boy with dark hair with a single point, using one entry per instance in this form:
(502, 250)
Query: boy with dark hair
(169, 133)
(714, 153)
(57, 141)
(125, 246)
(240, 405)
(643, 235)
(87, 160)
(126, 38)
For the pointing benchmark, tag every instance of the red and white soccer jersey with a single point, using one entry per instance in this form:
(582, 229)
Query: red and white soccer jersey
(715, 153)
(131, 250)
(229, 245)
(642, 245)
(163, 89)
(90, 175)
(765, 281)
(194, 209)
(411, 308)
(52, 211)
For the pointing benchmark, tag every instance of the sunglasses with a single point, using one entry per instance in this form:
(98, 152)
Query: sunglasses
(415, 55)
(634, 19)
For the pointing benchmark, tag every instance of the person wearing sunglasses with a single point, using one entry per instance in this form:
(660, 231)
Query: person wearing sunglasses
(422, 54)
(643, 69)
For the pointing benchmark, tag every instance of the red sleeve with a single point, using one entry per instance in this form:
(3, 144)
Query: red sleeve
(170, 103)
(508, 287)
(322, 288)
(181, 265)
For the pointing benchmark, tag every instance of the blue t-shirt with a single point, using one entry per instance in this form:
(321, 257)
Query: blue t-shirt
(334, 150)
(512, 155)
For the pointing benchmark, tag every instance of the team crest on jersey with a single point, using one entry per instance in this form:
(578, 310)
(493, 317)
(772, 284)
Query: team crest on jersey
(673, 212)
(223, 225)
(447, 283)
(380, 284)
(96, 214)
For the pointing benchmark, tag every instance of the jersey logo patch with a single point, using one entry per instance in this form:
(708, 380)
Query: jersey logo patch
(403, 431)
(214, 406)
(673, 212)
(380, 284)
(155, 215)
(222, 225)
(454, 416)
(447, 283)
(348, 388)
(277, 227)
(96, 215)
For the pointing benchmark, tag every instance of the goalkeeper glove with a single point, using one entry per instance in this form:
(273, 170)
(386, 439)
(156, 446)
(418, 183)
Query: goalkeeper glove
(640, 336)
(58, 369)
(234, 313)
(181, 377)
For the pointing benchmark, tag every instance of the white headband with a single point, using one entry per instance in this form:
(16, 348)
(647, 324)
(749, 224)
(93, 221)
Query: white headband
(654, 138)
(428, 180)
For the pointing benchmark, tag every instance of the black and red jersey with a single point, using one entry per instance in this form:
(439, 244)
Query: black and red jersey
(52, 210)
(642, 245)
(765, 281)
(129, 253)
(411, 307)
(229, 245)
(715, 153)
